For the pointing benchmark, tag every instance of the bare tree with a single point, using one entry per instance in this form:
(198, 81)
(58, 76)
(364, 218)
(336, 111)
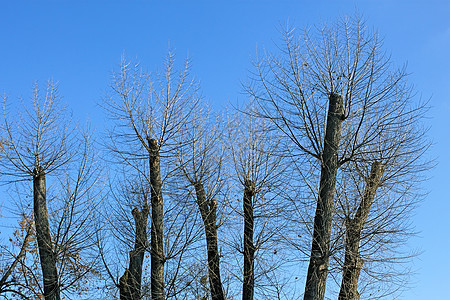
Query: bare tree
(124, 238)
(200, 159)
(130, 282)
(124, 227)
(354, 227)
(324, 93)
(40, 142)
(375, 198)
(148, 114)
(259, 166)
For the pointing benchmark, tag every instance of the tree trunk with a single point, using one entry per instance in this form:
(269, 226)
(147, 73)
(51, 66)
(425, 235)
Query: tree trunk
(130, 282)
(157, 251)
(208, 213)
(45, 244)
(249, 249)
(318, 264)
(353, 262)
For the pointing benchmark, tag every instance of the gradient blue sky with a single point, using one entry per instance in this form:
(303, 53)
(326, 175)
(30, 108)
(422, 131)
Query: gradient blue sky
(79, 43)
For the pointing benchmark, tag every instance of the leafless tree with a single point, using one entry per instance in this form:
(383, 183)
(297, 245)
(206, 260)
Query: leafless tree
(259, 165)
(375, 198)
(130, 282)
(122, 228)
(148, 113)
(123, 241)
(325, 92)
(40, 142)
(201, 159)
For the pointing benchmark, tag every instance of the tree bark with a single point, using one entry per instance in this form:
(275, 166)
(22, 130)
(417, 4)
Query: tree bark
(130, 282)
(208, 212)
(318, 264)
(157, 251)
(353, 262)
(249, 248)
(45, 244)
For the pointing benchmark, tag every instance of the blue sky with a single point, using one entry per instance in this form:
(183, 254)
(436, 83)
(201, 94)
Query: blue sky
(79, 43)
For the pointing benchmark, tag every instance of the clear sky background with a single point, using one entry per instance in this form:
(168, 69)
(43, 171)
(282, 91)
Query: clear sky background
(79, 43)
